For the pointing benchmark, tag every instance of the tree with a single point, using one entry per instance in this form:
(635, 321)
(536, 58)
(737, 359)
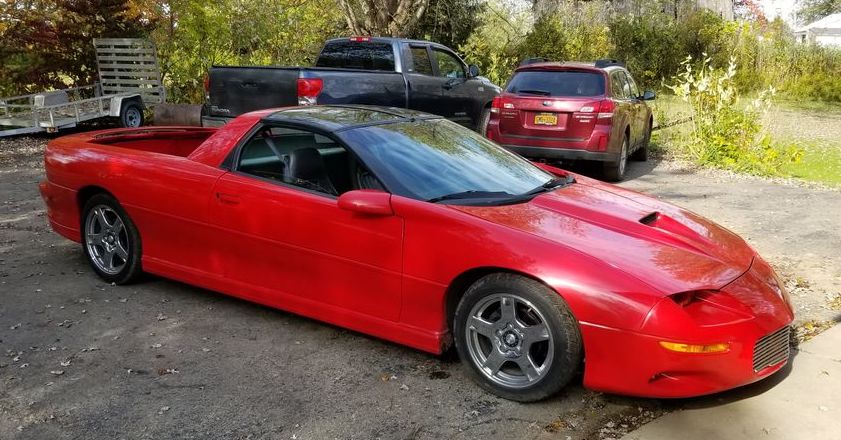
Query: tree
(394, 18)
(48, 43)
(812, 10)
(449, 22)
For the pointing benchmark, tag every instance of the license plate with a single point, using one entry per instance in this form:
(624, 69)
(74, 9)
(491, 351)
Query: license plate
(546, 119)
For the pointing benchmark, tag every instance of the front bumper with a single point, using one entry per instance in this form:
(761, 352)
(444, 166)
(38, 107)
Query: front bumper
(747, 314)
(635, 364)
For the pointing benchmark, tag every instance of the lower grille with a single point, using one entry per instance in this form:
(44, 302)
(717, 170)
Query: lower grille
(772, 349)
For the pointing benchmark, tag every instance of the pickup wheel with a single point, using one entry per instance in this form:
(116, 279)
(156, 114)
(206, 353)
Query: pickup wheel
(518, 337)
(482, 128)
(131, 115)
(615, 171)
(110, 240)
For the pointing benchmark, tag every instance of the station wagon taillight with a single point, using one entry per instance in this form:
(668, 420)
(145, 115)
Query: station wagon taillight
(499, 103)
(606, 108)
(308, 90)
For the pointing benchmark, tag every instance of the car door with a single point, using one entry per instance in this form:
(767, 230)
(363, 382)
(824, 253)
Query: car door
(638, 110)
(457, 91)
(627, 108)
(424, 86)
(285, 236)
(641, 109)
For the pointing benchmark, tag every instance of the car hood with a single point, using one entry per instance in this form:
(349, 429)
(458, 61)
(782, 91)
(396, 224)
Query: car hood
(669, 248)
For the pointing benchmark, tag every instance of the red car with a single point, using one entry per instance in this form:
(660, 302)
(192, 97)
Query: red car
(409, 227)
(574, 111)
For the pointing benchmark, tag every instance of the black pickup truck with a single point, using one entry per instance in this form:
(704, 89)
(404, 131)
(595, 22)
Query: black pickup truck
(394, 72)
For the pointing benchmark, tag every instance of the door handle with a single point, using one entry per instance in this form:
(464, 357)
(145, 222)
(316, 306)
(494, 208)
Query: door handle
(227, 199)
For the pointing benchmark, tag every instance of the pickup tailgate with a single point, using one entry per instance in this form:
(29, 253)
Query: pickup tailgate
(237, 90)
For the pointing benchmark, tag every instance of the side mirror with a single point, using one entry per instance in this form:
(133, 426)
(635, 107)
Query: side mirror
(648, 95)
(366, 202)
(473, 71)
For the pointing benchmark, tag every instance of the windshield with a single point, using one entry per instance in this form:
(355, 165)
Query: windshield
(557, 83)
(438, 160)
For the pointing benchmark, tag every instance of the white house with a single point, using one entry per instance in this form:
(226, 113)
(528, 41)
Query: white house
(826, 31)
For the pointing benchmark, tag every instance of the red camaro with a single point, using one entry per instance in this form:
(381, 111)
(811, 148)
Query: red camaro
(411, 228)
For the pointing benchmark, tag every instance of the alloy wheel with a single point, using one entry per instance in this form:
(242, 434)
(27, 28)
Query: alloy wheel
(509, 340)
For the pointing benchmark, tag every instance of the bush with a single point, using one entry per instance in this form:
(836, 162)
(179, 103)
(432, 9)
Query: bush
(726, 134)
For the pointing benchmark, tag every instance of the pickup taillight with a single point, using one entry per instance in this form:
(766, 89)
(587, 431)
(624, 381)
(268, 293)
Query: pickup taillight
(206, 87)
(308, 90)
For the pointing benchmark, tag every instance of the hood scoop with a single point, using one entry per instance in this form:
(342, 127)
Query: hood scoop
(650, 219)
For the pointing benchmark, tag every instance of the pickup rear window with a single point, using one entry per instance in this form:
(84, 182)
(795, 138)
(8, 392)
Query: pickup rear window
(357, 55)
(557, 83)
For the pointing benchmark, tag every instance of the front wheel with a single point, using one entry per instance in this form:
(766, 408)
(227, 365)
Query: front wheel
(110, 240)
(642, 153)
(517, 336)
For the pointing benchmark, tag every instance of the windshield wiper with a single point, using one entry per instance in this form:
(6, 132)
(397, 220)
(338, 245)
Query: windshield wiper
(534, 92)
(551, 184)
(471, 194)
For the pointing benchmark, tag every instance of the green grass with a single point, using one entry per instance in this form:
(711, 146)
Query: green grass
(821, 160)
(820, 163)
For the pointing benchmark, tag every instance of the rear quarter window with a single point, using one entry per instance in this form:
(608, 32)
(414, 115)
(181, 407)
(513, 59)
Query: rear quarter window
(557, 83)
(364, 55)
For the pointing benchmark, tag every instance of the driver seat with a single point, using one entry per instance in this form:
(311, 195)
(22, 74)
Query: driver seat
(305, 167)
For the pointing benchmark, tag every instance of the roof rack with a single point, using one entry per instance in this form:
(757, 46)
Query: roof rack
(535, 60)
(607, 62)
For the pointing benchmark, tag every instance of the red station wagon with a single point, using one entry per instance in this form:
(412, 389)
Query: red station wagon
(574, 111)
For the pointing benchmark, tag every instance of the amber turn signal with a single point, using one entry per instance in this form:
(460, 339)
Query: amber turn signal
(692, 348)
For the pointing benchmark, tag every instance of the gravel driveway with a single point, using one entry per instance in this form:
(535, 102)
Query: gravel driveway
(160, 359)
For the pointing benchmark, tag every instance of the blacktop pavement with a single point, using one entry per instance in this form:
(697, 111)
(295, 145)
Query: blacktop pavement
(803, 401)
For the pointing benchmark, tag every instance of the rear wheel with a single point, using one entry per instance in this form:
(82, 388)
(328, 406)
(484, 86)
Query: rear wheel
(615, 171)
(110, 240)
(517, 337)
(131, 115)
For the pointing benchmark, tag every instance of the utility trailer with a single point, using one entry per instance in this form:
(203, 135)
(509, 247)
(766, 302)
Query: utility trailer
(129, 81)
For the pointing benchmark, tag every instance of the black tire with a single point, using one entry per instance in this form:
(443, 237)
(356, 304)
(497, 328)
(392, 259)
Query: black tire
(482, 128)
(642, 152)
(131, 115)
(615, 171)
(544, 305)
(122, 244)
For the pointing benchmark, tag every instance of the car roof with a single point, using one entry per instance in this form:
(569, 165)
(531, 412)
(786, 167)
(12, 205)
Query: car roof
(568, 65)
(334, 118)
(388, 40)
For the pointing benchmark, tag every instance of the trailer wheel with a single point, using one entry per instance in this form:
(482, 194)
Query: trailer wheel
(131, 114)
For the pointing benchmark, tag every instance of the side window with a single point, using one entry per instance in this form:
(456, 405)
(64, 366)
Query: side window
(297, 157)
(420, 60)
(448, 65)
(634, 89)
(617, 85)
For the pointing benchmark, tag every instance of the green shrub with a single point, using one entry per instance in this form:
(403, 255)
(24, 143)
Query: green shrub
(726, 134)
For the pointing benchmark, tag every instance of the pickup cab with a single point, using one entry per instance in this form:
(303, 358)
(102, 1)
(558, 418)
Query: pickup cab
(392, 72)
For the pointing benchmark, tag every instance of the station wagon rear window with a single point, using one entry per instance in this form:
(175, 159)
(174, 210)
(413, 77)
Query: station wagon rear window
(557, 83)
(357, 55)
